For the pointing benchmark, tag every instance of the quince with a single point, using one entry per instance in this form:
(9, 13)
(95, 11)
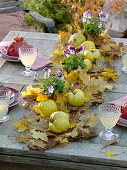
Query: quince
(96, 53)
(59, 122)
(77, 39)
(88, 55)
(88, 45)
(76, 98)
(88, 64)
(47, 107)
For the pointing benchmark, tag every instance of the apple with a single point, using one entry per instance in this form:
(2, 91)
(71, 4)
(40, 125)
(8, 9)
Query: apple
(59, 122)
(124, 111)
(88, 64)
(88, 45)
(88, 55)
(96, 53)
(77, 39)
(47, 107)
(76, 98)
(13, 48)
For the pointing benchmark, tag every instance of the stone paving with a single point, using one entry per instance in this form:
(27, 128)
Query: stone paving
(12, 21)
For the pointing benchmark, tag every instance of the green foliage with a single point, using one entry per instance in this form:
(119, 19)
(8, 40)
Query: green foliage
(55, 81)
(73, 62)
(48, 8)
(92, 26)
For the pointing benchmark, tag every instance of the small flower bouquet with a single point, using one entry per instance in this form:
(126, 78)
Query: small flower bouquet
(51, 84)
(73, 59)
(94, 23)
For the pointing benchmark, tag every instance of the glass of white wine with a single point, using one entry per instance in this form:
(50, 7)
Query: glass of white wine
(27, 55)
(5, 95)
(124, 58)
(109, 115)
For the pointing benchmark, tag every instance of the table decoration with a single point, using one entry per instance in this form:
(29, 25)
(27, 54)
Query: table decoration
(80, 73)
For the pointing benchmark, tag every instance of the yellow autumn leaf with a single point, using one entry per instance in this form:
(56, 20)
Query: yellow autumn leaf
(64, 142)
(30, 91)
(61, 97)
(57, 51)
(72, 76)
(110, 153)
(22, 125)
(41, 97)
(88, 96)
(109, 73)
(37, 110)
(72, 134)
(39, 135)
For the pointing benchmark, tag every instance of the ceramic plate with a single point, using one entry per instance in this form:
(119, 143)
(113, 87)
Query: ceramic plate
(122, 122)
(16, 98)
(7, 57)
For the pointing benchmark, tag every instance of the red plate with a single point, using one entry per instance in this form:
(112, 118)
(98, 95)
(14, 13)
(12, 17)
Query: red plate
(17, 97)
(122, 122)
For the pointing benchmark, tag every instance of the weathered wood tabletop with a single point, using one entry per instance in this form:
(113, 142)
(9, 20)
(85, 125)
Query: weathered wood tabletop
(82, 154)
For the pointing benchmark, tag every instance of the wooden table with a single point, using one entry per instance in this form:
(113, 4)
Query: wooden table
(81, 154)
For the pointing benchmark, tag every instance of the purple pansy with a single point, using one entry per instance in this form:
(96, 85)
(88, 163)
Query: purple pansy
(46, 69)
(87, 14)
(103, 17)
(47, 72)
(80, 50)
(50, 89)
(99, 24)
(67, 53)
(35, 75)
(60, 73)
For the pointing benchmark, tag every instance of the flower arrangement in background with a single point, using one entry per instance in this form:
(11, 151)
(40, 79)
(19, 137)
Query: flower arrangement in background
(94, 23)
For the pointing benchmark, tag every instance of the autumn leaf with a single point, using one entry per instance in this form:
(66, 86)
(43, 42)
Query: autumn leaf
(40, 125)
(39, 135)
(99, 65)
(72, 76)
(37, 110)
(22, 125)
(109, 73)
(30, 91)
(24, 138)
(108, 143)
(41, 97)
(110, 153)
(64, 142)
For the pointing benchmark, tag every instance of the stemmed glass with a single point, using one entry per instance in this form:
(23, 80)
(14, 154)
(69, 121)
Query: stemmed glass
(109, 115)
(5, 95)
(27, 55)
(124, 58)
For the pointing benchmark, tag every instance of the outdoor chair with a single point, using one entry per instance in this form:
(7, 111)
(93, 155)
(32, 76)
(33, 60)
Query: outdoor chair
(10, 6)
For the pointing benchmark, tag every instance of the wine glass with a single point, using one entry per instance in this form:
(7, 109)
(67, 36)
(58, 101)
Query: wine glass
(5, 95)
(124, 58)
(109, 115)
(27, 55)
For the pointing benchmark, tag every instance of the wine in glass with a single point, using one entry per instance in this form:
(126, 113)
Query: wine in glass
(109, 115)
(27, 55)
(124, 58)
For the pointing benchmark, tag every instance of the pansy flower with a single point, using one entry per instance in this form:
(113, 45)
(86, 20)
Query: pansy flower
(47, 72)
(50, 89)
(60, 73)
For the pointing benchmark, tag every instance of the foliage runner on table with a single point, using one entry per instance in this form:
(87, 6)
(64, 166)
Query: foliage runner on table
(79, 75)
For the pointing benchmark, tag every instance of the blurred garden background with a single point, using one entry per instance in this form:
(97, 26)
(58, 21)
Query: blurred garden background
(67, 14)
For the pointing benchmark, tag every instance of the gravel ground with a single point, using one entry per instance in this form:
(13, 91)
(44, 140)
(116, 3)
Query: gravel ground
(13, 21)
